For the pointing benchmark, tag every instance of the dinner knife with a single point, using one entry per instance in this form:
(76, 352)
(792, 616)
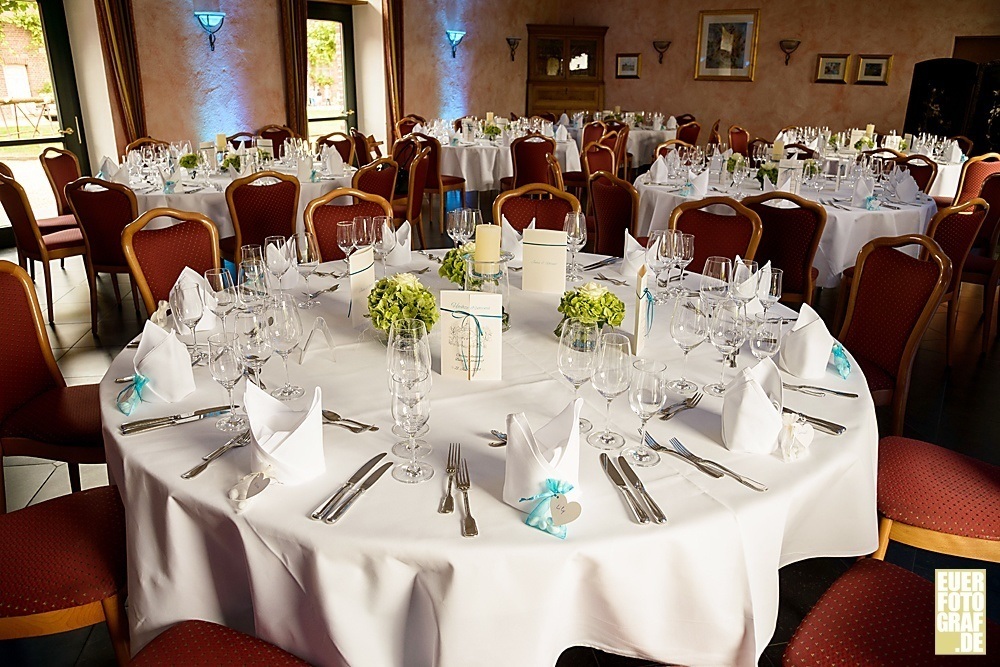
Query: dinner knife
(616, 479)
(835, 392)
(353, 497)
(145, 428)
(604, 262)
(827, 427)
(327, 505)
(658, 515)
(128, 426)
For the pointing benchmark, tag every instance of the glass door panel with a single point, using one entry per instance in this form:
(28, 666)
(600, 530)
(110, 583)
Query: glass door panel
(331, 100)
(548, 59)
(582, 58)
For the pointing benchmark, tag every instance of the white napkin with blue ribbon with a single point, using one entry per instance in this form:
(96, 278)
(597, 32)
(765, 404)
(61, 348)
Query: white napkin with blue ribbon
(108, 169)
(751, 410)
(907, 189)
(863, 189)
(633, 257)
(400, 255)
(533, 456)
(699, 184)
(805, 350)
(511, 240)
(208, 319)
(165, 363)
(287, 442)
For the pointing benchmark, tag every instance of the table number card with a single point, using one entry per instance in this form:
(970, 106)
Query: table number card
(789, 171)
(643, 311)
(856, 136)
(544, 261)
(471, 338)
(362, 269)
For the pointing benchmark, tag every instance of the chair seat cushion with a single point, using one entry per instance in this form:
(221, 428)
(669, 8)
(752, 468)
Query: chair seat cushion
(203, 644)
(878, 379)
(66, 238)
(452, 181)
(876, 613)
(56, 224)
(66, 416)
(932, 487)
(577, 178)
(62, 553)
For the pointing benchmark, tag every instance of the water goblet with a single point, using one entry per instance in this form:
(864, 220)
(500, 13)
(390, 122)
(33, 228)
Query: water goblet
(647, 393)
(226, 366)
(612, 374)
(251, 283)
(688, 328)
(577, 356)
(363, 231)
(727, 333)
(411, 408)
(285, 329)
(765, 337)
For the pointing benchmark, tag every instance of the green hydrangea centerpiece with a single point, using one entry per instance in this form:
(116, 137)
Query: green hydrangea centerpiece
(453, 264)
(591, 304)
(401, 296)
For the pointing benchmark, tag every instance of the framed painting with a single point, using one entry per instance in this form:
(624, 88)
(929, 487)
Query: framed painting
(832, 67)
(727, 45)
(874, 70)
(628, 65)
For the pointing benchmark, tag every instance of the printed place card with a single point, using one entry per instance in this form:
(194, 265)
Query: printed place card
(362, 268)
(471, 335)
(544, 261)
(643, 311)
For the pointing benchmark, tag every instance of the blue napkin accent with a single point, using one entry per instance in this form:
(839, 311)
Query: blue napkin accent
(131, 396)
(168, 187)
(314, 177)
(541, 516)
(648, 296)
(871, 203)
(687, 190)
(840, 361)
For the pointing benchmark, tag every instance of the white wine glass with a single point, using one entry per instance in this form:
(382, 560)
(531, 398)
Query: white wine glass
(688, 328)
(647, 394)
(683, 255)
(575, 226)
(727, 333)
(769, 288)
(306, 252)
(252, 283)
(285, 329)
(715, 277)
(188, 307)
(345, 240)
(277, 259)
(612, 374)
(411, 409)
(220, 281)
(743, 284)
(226, 366)
(577, 356)
(383, 239)
(659, 253)
(253, 341)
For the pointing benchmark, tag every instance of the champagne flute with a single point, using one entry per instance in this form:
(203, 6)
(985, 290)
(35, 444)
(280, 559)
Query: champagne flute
(277, 259)
(575, 226)
(611, 378)
(188, 307)
(688, 328)
(285, 329)
(727, 333)
(226, 365)
(345, 240)
(383, 239)
(306, 252)
(577, 356)
(220, 281)
(253, 341)
(715, 278)
(646, 395)
(411, 408)
(769, 291)
(765, 338)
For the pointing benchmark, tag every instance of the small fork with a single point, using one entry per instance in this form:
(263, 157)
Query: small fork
(469, 528)
(745, 481)
(447, 505)
(690, 403)
(613, 281)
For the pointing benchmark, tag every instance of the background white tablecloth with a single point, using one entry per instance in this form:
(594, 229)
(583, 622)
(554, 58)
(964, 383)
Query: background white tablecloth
(641, 143)
(394, 583)
(483, 165)
(946, 183)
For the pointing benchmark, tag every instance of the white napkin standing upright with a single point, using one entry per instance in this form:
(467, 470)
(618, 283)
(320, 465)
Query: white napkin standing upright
(553, 451)
(287, 443)
(954, 153)
(751, 410)
(334, 162)
(400, 255)
(562, 134)
(699, 184)
(805, 350)
(633, 257)
(671, 123)
(283, 265)
(208, 319)
(505, 139)
(863, 189)
(564, 120)
(169, 175)
(166, 363)
(658, 170)
(907, 189)
(510, 238)
(304, 169)
(109, 169)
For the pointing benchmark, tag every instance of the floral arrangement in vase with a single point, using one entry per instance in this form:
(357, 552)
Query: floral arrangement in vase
(810, 167)
(231, 160)
(767, 170)
(491, 132)
(735, 160)
(189, 161)
(401, 296)
(591, 304)
(864, 143)
(453, 264)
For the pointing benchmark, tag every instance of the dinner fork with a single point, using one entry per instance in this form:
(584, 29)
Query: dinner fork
(745, 481)
(613, 281)
(690, 403)
(331, 288)
(239, 441)
(654, 445)
(469, 528)
(670, 408)
(447, 505)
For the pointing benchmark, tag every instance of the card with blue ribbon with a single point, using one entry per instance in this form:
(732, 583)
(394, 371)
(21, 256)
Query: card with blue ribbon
(471, 342)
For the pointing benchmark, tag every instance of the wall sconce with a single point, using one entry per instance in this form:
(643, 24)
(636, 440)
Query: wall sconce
(788, 47)
(661, 47)
(455, 38)
(513, 42)
(210, 17)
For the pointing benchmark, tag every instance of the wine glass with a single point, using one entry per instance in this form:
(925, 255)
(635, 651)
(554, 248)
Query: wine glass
(473, 218)
(612, 374)
(253, 341)
(646, 395)
(743, 284)
(659, 250)
(226, 365)
(251, 283)
(575, 227)
(345, 240)
(364, 232)
(683, 255)
(285, 329)
(411, 408)
(727, 333)
(577, 357)
(188, 308)
(251, 251)
(220, 281)
(715, 277)
(765, 338)
(383, 239)
(277, 259)
(306, 252)
(408, 360)
(769, 291)
(688, 328)
(456, 223)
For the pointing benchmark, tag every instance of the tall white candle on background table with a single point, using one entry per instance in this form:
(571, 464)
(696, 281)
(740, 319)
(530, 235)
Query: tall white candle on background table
(618, 109)
(487, 243)
(489, 117)
(220, 141)
(869, 130)
(778, 150)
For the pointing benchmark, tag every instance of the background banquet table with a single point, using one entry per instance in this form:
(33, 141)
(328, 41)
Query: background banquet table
(946, 183)
(483, 164)
(641, 143)
(845, 233)
(394, 582)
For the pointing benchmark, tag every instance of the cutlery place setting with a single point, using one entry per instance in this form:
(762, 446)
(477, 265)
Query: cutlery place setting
(672, 411)
(707, 466)
(613, 281)
(154, 423)
(336, 505)
(352, 425)
(602, 263)
(635, 485)
(457, 472)
(241, 440)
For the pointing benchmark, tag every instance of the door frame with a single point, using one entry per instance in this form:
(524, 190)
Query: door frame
(343, 14)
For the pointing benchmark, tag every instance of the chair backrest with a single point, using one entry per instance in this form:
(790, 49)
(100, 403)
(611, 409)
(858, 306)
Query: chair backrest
(144, 141)
(974, 172)
(670, 145)
(433, 148)
(955, 229)
(684, 118)
(405, 125)
(963, 142)
(61, 167)
(596, 157)
(322, 217)
(26, 362)
(752, 145)
(15, 204)
(923, 170)
(989, 233)
(103, 209)
(418, 182)
(621, 146)
(612, 125)
(739, 140)
(377, 178)
(528, 154)
(362, 152)
(715, 233)
(592, 131)
(801, 152)
(404, 150)
(616, 209)
(610, 139)
(261, 205)
(883, 152)
(789, 240)
(893, 296)
(689, 132)
(244, 139)
(278, 134)
(713, 134)
(555, 172)
(343, 143)
(156, 257)
(545, 203)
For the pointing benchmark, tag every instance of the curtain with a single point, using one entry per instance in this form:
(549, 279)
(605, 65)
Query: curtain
(121, 57)
(293, 37)
(392, 34)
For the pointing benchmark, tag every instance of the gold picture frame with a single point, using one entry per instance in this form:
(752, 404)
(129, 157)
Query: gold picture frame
(628, 65)
(832, 67)
(727, 45)
(873, 70)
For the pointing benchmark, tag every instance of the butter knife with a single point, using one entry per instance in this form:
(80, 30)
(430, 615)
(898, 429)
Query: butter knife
(321, 511)
(353, 497)
(145, 428)
(835, 392)
(658, 515)
(128, 426)
(823, 425)
(616, 479)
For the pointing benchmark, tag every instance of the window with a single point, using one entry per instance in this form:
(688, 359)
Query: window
(332, 99)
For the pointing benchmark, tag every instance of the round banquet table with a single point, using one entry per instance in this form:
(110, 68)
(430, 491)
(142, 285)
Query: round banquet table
(847, 230)
(641, 143)
(483, 164)
(394, 583)
(946, 183)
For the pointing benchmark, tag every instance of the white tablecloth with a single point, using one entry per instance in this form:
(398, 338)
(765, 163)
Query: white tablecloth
(641, 143)
(845, 233)
(394, 583)
(946, 183)
(483, 165)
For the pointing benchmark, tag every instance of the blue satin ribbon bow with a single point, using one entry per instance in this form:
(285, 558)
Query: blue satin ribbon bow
(871, 203)
(840, 361)
(541, 517)
(131, 396)
(465, 316)
(687, 190)
(648, 296)
(168, 187)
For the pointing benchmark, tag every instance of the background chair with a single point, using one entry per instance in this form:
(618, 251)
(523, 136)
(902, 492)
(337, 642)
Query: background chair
(592, 131)
(278, 134)
(670, 145)
(200, 644)
(530, 165)
(411, 207)
(616, 209)
(377, 178)
(981, 267)
(366, 149)
(688, 132)
(801, 152)
(144, 141)
(713, 134)
(260, 205)
(340, 141)
(322, 217)
(684, 118)
(244, 139)
(437, 183)
(975, 171)
(545, 203)
(717, 234)
(963, 142)
(739, 140)
(594, 157)
(61, 167)
(406, 124)
(923, 170)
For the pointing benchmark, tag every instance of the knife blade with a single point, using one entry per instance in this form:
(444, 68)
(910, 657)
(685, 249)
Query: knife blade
(327, 505)
(835, 392)
(823, 425)
(603, 262)
(658, 515)
(353, 497)
(616, 479)
(127, 426)
(183, 420)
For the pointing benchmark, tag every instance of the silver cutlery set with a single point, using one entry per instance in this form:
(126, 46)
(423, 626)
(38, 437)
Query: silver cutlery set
(707, 466)
(458, 467)
(636, 508)
(334, 507)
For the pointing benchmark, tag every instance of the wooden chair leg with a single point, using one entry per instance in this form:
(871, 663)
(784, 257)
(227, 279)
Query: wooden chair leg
(74, 476)
(3, 489)
(135, 296)
(117, 621)
(419, 224)
(949, 336)
(48, 291)
(441, 207)
(117, 290)
(92, 283)
(884, 528)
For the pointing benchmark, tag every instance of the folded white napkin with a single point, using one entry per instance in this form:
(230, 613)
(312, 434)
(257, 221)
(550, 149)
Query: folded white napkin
(108, 168)
(813, 144)
(170, 176)
(510, 238)
(751, 410)
(671, 123)
(766, 185)
(633, 258)
(208, 319)
(553, 451)
(658, 170)
(562, 134)
(699, 184)
(785, 179)
(805, 350)
(304, 169)
(121, 176)
(333, 161)
(954, 153)
(892, 141)
(166, 363)
(418, 129)
(863, 189)
(907, 189)
(505, 139)
(287, 443)
(400, 253)
(748, 288)
(564, 120)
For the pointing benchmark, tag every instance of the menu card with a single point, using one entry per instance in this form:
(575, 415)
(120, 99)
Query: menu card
(643, 311)
(544, 261)
(472, 335)
(362, 269)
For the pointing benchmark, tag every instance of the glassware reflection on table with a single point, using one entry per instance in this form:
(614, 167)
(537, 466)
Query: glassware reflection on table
(715, 277)
(577, 356)
(383, 239)
(306, 252)
(647, 394)
(277, 259)
(220, 281)
(743, 284)
(688, 328)
(285, 329)
(575, 226)
(226, 365)
(253, 341)
(188, 307)
(612, 374)
(411, 408)
(408, 360)
(765, 337)
(659, 255)
(251, 284)
(345, 240)
(769, 291)
(727, 332)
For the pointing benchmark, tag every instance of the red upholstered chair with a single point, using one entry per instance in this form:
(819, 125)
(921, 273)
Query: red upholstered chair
(980, 266)
(64, 567)
(322, 216)
(411, 207)
(713, 135)
(144, 141)
(405, 125)
(32, 244)
(366, 149)
(204, 644)
(104, 209)
(883, 152)
(45, 225)
(892, 299)
(922, 169)
(547, 204)
(688, 132)
(157, 256)
(716, 234)
(616, 209)
(61, 167)
(613, 125)
(594, 157)
(343, 143)
(739, 140)
(964, 143)
(377, 178)
(530, 166)
(260, 205)
(278, 134)
(39, 415)
(241, 139)
(975, 171)
(752, 146)
(437, 183)
(684, 118)
(670, 145)
(789, 240)
(986, 241)
(404, 150)
(593, 131)
(623, 159)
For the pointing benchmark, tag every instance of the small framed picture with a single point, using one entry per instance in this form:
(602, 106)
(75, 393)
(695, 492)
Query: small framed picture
(874, 70)
(628, 65)
(727, 45)
(832, 67)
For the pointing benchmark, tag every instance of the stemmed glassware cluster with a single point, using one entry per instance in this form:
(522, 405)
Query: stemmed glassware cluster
(575, 226)
(665, 250)
(408, 361)
(461, 225)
